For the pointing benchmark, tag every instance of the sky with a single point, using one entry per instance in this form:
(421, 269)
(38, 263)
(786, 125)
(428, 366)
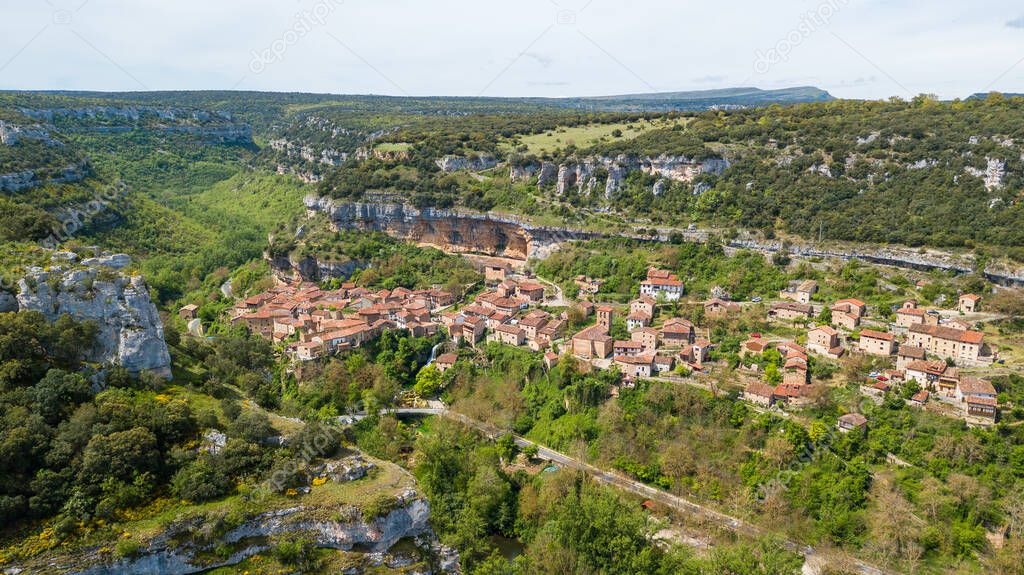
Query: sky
(852, 48)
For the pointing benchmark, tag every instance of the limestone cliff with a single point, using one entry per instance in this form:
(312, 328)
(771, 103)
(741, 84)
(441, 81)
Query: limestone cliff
(26, 179)
(379, 535)
(357, 507)
(131, 333)
(463, 231)
(587, 173)
(473, 163)
(450, 230)
(311, 268)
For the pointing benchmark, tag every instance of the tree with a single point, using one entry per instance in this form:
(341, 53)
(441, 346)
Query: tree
(122, 455)
(507, 447)
(429, 381)
(59, 392)
(825, 317)
(252, 426)
(201, 480)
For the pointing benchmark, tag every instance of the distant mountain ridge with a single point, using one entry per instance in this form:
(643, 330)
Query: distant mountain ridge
(689, 101)
(700, 99)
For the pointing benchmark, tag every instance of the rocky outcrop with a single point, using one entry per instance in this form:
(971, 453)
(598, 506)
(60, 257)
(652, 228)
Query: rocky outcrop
(11, 134)
(131, 333)
(992, 175)
(522, 173)
(8, 302)
(546, 174)
(584, 174)
(18, 181)
(229, 134)
(125, 113)
(209, 126)
(311, 268)
(325, 156)
(566, 179)
(377, 535)
(473, 163)
(910, 258)
(616, 174)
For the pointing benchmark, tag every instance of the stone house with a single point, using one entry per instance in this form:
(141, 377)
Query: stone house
(790, 311)
(648, 336)
(969, 303)
(509, 335)
(592, 343)
(188, 312)
(716, 307)
(531, 291)
(962, 346)
(445, 361)
(800, 292)
(759, 393)
(677, 332)
(634, 366)
(852, 422)
(822, 339)
(628, 348)
(876, 342)
(908, 354)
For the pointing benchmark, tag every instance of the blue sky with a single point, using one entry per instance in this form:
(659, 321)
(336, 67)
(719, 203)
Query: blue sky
(853, 48)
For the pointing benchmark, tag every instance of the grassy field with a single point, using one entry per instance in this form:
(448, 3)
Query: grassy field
(586, 135)
(393, 147)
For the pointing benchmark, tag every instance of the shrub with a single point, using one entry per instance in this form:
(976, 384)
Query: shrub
(127, 548)
(380, 506)
(201, 480)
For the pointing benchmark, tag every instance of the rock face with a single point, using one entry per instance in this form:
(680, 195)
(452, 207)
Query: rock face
(566, 179)
(520, 173)
(311, 268)
(11, 134)
(165, 556)
(992, 175)
(18, 181)
(8, 302)
(505, 236)
(130, 331)
(616, 175)
(546, 174)
(449, 230)
(477, 163)
(583, 174)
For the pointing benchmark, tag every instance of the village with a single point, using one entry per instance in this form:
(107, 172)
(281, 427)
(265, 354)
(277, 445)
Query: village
(925, 348)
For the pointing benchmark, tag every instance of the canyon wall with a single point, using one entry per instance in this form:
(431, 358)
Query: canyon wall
(462, 231)
(450, 230)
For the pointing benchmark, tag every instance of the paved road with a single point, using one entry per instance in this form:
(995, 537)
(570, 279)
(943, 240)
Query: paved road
(740, 526)
(559, 299)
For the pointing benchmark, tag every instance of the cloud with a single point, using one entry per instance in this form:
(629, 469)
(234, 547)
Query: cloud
(1016, 23)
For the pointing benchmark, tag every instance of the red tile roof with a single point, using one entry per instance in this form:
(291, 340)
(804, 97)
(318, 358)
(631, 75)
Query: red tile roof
(872, 334)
